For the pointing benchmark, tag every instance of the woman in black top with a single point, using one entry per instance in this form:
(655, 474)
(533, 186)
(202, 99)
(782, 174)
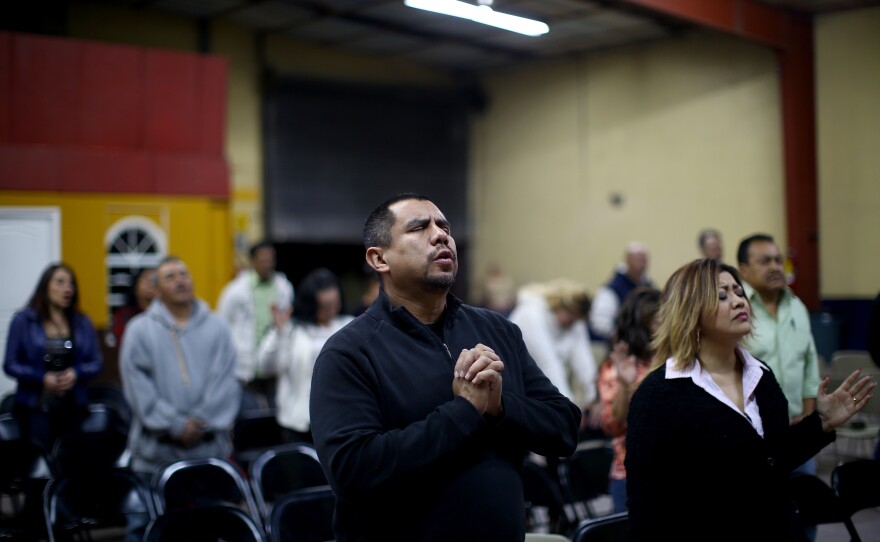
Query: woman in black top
(709, 445)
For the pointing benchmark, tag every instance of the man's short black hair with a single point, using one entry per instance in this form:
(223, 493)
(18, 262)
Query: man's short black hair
(742, 254)
(258, 246)
(377, 228)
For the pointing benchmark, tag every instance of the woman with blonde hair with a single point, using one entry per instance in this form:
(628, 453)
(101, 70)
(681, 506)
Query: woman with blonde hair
(709, 445)
(551, 316)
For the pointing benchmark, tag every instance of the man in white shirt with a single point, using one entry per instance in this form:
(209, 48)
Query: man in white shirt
(246, 305)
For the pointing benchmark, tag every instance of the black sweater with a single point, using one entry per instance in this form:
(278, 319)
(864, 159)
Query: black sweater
(407, 460)
(697, 470)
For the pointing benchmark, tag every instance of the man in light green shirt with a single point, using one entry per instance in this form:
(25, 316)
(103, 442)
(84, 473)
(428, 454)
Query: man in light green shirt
(781, 334)
(246, 306)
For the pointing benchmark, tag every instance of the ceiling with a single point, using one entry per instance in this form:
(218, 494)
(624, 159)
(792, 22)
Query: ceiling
(389, 28)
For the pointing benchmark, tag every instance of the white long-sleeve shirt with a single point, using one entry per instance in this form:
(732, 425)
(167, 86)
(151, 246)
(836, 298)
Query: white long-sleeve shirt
(555, 349)
(291, 353)
(603, 313)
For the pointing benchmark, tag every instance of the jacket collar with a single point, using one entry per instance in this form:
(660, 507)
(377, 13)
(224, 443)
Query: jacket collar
(400, 316)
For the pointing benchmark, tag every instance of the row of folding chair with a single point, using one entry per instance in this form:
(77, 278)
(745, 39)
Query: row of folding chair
(853, 489)
(25, 471)
(287, 499)
(84, 483)
(287, 495)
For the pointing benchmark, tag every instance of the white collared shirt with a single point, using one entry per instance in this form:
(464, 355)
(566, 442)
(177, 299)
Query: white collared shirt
(753, 370)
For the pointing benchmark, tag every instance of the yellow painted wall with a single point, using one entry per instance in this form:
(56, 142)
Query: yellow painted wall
(194, 226)
(686, 131)
(848, 118)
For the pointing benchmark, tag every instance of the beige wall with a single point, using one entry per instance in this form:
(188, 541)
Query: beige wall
(686, 131)
(848, 118)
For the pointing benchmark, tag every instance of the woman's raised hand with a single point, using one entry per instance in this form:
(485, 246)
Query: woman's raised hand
(849, 398)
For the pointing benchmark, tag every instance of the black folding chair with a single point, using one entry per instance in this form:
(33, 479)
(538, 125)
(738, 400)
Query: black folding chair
(112, 396)
(858, 486)
(303, 516)
(611, 528)
(254, 432)
(194, 483)
(544, 503)
(23, 472)
(76, 507)
(817, 504)
(214, 523)
(281, 470)
(97, 445)
(584, 477)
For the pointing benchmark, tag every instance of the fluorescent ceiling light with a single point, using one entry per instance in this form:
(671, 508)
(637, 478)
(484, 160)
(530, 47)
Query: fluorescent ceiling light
(482, 14)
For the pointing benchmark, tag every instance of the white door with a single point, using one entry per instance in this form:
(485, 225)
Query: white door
(30, 239)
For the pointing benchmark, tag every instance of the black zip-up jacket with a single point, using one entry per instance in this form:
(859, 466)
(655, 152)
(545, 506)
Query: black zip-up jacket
(407, 459)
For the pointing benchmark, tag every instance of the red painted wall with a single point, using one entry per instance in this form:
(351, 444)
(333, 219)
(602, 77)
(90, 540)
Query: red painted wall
(95, 117)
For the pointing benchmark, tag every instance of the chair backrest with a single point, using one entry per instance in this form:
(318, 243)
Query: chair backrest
(97, 445)
(545, 537)
(817, 503)
(543, 500)
(14, 450)
(254, 432)
(584, 475)
(843, 362)
(603, 529)
(112, 396)
(192, 483)
(205, 524)
(303, 516)
(105, 499)
(7, 402)
(283, 469)
(857, 484)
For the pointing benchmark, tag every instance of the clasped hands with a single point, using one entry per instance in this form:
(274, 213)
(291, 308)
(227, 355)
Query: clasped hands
(477, 378)
(193, 432)
(59, 382)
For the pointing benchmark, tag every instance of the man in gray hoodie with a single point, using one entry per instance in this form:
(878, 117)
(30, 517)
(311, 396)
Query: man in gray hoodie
(178, 373)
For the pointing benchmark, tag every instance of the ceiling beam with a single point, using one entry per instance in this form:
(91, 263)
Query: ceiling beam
(744, 18)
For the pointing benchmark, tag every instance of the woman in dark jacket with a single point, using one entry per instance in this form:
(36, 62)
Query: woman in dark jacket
(709, 446)
(52, 352)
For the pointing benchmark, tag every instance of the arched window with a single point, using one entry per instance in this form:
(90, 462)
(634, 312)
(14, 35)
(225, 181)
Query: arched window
(131, 244)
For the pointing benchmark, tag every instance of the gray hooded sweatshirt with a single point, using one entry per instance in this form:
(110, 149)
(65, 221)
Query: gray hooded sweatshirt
(171, 374)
